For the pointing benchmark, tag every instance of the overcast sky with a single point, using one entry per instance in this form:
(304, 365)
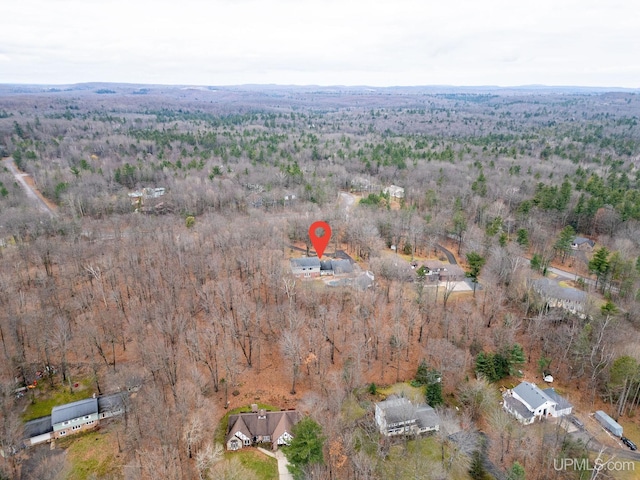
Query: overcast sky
(322, 42)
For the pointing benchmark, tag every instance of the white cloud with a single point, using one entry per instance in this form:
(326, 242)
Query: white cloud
(322, 42)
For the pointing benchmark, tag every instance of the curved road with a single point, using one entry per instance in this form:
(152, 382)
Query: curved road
(32, 195)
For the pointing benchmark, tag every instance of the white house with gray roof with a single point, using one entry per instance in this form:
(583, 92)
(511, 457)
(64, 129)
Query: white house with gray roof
(312, 267)
(527, 403)
(74, 417)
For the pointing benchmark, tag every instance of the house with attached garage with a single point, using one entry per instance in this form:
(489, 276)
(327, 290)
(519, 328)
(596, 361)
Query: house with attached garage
(74, 417)
(313, 267)
(260, 427)
(398, 416)
(527, 403)
(583, 244)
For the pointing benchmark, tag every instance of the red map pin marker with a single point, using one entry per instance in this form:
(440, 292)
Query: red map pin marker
(320, 243)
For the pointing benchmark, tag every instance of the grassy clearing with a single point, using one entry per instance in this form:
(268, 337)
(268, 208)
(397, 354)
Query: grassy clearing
(630, 429)
(419, 455)
(44, 400)
(265, 468)
(415, 394)
(91, 455)
(352, 410)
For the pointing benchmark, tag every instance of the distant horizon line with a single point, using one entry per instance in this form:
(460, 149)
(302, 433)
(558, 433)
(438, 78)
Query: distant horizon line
(533, 86)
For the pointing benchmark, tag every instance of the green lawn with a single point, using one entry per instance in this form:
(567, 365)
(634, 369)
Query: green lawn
(265, 468)
(352, 410)
(415, 394)
(421, 455)
(44, 400)
(91, 455)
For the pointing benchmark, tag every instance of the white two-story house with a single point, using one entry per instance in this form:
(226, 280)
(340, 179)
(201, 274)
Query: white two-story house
(527, 402)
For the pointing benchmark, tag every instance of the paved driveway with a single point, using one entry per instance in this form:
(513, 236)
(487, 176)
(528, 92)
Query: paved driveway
(283, 471)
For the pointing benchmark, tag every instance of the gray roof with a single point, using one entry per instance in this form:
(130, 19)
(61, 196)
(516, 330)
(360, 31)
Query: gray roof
(427, 417)
(435, 264)
(562, 403)
(581, 240)
(112, 402)
(273, 424)
(341, 266)
(531, 394)
(518, 406)
(306, 262)
(398, 410)
(69, 411)
(364, 280)
(36, 427)
(551, 289)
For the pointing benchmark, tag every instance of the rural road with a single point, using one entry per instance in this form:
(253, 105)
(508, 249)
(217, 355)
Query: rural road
(565, 274)
(31, 193)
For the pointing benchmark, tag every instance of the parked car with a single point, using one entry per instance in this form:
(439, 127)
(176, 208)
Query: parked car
(628, 443)
(576, 421)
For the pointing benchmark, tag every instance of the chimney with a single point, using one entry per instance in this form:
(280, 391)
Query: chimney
(262, 413)
(254, 408)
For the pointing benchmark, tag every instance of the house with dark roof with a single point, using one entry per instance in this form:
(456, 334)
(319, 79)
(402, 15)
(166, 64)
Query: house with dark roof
(527, 402)
(74, 417)
(259, 427)
(438, 271)
(38, 431)
(556, 296)
(583, 244)
(398, 416)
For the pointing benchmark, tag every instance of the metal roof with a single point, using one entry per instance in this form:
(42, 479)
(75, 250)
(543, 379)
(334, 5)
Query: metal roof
(562, 403)
(36, 427)
(69, 411)
(531, 394)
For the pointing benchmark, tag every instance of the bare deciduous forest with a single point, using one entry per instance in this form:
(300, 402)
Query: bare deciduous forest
(190, 295)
